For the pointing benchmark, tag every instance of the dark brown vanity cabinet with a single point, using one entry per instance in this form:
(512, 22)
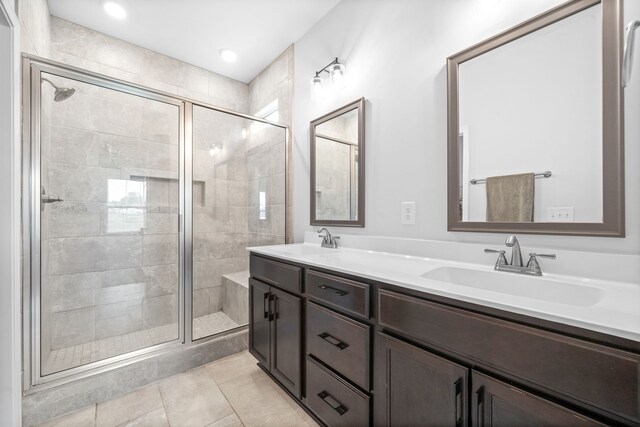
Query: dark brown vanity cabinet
(275, 327)
(373, 354)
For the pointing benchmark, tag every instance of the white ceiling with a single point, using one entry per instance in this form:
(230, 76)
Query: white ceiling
(195, 30)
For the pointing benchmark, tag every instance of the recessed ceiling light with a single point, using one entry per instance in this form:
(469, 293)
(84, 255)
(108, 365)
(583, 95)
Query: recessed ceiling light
(228, 55)
(114, 10)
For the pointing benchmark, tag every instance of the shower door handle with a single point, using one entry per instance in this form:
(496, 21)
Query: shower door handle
(46, 198)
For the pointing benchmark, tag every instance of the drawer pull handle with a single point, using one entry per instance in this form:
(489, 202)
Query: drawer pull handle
(333, 341)
(340, 292)
(329, 400)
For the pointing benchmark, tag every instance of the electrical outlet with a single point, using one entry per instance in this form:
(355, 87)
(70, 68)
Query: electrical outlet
(408, 213)
(560, 214)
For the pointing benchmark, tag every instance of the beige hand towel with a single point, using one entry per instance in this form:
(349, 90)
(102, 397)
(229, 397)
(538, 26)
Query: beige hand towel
(510, 198)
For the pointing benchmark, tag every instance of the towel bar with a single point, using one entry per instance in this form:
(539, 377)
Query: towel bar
(545, 174)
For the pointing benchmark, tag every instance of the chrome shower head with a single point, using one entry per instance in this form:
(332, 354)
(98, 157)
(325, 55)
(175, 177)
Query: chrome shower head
(61, 93)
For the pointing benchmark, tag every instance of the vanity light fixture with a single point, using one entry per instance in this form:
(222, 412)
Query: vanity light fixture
(115, 10)
(336, 72)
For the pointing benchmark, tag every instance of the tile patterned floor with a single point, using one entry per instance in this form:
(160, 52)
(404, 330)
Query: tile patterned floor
(66, 358)
(226, 393)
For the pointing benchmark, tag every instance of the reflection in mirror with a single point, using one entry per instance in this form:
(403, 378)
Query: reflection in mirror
(508, 141)
(533, 127)
(337, 145)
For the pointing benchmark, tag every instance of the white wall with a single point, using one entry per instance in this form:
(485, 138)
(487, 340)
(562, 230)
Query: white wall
(552, 76)
(9, 217)
(395, 54)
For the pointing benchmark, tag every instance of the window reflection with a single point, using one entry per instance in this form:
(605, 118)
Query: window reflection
(126, 202)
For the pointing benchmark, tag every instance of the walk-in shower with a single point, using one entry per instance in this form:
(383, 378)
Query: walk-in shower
(141, 205)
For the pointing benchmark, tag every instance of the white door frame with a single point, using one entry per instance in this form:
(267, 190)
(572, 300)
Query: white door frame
(10, 232)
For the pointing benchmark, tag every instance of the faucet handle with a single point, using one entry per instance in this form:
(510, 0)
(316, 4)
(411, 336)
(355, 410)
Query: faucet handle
(502, 259)
(550, 256)
(533, 259)
(493, 251)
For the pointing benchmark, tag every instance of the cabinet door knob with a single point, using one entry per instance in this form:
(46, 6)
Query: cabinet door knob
(329, 400)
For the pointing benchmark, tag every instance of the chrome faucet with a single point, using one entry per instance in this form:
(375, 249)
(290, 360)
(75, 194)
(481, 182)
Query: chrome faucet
(328, 240)
(516, 254)
(516, 265)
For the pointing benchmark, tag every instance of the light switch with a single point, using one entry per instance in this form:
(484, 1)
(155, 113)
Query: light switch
(408, 213)
(560, 214)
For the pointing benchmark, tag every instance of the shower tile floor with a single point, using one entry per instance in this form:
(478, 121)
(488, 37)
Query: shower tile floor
(228, 392)
(70, 357)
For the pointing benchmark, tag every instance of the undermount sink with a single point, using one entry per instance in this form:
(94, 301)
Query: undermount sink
(539, 288)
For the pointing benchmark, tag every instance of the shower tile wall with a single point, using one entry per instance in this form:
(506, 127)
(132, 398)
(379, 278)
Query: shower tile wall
(88, 49)
(267, 154)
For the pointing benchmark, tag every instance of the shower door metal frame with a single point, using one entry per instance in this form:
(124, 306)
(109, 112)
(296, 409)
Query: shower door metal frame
(32, 67)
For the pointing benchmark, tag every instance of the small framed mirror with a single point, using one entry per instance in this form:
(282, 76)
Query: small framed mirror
(535, 126)
(337, 167)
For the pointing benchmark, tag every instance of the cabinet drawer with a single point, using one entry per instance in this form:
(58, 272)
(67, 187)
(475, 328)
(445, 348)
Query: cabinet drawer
(341, 343)
(591, 374)
(334, 401)
(343, 293)
(276, 273)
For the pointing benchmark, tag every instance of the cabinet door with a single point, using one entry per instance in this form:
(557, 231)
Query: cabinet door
(495, 403)
(286, 342)
(415, 387)
(259, 322)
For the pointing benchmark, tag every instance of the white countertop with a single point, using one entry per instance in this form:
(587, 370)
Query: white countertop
(609, 307)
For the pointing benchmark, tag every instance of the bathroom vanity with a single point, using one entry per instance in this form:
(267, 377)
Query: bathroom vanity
(360, 338)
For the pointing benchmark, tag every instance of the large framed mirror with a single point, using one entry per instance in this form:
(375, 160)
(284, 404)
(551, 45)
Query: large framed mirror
(337, 167)
(535, 126)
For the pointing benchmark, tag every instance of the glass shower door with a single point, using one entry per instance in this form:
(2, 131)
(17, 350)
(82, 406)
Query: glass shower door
(238, 201)
(109, 180)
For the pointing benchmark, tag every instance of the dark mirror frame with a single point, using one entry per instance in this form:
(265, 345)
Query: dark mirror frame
(613, 224)
(359, 105)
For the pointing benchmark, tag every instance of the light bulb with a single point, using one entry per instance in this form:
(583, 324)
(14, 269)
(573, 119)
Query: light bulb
(337, 71)
(228, 55)
(317, 89)
(114, 10)
(214, 149)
